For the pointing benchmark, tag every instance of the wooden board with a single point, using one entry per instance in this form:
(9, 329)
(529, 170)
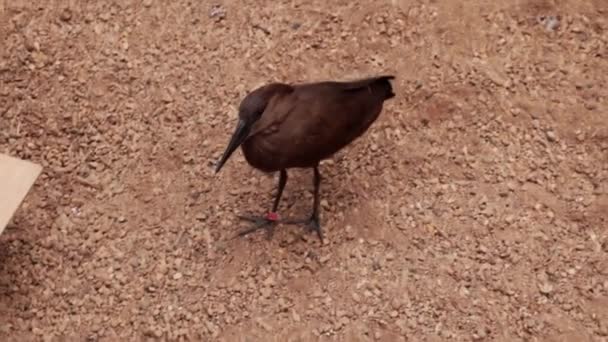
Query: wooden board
(16, 178)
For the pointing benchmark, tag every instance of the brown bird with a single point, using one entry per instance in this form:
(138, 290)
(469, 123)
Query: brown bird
(284, 126)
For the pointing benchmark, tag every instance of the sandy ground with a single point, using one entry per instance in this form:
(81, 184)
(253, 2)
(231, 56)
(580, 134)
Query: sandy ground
(475, 208)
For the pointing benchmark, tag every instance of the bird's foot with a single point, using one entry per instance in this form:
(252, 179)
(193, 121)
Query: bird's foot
(266, 222)
(312, 223)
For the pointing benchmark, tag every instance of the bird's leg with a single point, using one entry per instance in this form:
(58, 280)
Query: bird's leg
(270, 219)
(313, 221)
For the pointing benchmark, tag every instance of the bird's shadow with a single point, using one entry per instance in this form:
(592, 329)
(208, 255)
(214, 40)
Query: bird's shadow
(297, 198)
(15, 282)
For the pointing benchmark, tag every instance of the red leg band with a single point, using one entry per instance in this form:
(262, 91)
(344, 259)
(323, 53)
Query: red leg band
(272, 216)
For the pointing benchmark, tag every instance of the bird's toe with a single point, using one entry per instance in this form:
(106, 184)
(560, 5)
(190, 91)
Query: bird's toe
(266, 222)
(311, 223)
(314, 225)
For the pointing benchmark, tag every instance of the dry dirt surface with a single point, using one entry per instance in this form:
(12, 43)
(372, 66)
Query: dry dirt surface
(475, 208)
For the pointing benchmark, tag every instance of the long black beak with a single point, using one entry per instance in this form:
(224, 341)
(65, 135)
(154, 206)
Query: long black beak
(240, 134)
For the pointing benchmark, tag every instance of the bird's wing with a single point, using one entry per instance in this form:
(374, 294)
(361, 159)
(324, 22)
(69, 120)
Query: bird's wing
(316, 120)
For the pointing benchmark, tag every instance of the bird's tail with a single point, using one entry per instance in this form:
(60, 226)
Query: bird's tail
(379, 83)
(384, 83)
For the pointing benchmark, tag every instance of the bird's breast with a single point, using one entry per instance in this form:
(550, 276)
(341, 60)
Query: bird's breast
(259, 155)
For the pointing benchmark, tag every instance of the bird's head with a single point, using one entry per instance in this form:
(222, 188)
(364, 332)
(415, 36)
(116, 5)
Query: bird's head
(250, 111)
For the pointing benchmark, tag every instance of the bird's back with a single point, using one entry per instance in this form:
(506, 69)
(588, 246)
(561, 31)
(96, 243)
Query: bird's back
(314, 121)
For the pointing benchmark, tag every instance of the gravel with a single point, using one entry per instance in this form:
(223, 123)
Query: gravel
(474, 209)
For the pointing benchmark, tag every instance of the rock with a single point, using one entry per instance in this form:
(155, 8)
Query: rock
(167, 96)
(545, 288)
(270, 281)
(324, 204)
(265, 325)
(66, 15)
(217, 12)
(549, 22)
